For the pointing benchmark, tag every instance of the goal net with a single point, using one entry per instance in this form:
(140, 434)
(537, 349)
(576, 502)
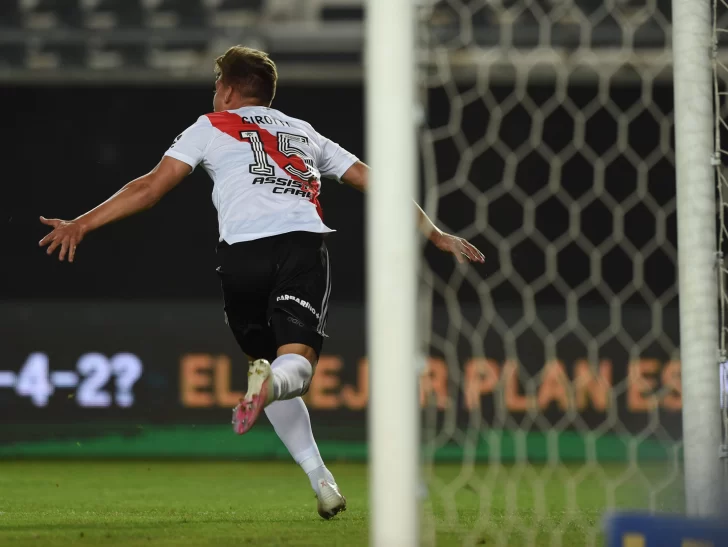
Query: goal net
(552, 390)
(720, 95)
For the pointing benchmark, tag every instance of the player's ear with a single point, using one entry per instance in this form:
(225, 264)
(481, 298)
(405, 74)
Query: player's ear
(228, 95)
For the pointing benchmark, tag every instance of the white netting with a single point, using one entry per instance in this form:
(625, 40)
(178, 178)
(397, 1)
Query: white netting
(554, 383)
(720, 79)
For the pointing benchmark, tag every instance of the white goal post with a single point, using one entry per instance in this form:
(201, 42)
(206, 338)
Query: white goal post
(697, 264)
(392, 250)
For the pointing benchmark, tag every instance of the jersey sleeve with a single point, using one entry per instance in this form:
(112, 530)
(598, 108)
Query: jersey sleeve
(334, 160)
(191, 145)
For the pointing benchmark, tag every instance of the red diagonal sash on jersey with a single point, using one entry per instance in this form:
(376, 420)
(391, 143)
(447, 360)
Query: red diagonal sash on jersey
(232, 125)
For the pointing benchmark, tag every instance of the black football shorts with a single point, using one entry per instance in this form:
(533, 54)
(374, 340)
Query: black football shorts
(276, 291)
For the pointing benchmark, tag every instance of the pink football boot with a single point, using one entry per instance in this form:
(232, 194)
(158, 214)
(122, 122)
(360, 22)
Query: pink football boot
(257, 397)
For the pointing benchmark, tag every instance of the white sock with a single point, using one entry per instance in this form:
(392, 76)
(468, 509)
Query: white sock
(292, 423)
(291, 376)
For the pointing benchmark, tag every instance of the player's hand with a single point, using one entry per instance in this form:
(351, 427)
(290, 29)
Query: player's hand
(66, 233)
(462, 249)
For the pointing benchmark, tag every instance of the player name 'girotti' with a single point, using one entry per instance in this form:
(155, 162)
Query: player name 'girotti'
(259, 120)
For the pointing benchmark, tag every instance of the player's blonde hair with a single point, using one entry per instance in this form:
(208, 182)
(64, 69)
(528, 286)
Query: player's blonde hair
(250, 71)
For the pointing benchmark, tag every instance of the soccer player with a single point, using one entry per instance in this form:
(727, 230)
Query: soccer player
(266, 169)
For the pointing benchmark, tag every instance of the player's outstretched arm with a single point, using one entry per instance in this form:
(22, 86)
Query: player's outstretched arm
(138, 195)
(357, 176)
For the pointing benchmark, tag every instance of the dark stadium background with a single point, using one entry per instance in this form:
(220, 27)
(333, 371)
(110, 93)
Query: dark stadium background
(67, 148)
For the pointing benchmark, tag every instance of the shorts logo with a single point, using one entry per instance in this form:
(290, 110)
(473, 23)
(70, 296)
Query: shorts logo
(303, 303)
(295, 321)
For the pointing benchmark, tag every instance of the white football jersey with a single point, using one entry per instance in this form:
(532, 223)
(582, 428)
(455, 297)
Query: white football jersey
(266, 170)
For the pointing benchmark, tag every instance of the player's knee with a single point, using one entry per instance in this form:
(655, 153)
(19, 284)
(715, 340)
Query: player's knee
(303, 350)
(292, 374)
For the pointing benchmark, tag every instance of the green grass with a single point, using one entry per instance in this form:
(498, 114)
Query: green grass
(270, 504)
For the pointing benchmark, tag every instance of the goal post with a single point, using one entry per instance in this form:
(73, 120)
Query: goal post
(696, 205)
(392, 250)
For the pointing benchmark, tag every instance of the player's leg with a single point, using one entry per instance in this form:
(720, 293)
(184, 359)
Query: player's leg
(290, 418)
(288, 376)
(297, 312)
(299, 307)
(244, 281)
(291, 374)
(292, 423)
(247, 271)
(251, 274)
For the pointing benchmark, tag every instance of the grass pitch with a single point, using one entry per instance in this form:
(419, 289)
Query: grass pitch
(270, 504)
